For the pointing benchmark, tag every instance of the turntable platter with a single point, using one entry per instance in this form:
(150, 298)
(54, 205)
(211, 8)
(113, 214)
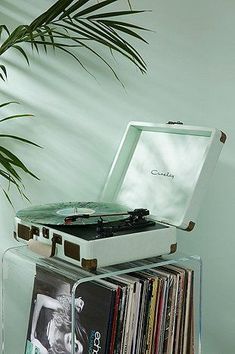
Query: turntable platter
(55, 214)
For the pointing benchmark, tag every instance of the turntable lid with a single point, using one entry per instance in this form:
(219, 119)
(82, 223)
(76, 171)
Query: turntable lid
(165, 168)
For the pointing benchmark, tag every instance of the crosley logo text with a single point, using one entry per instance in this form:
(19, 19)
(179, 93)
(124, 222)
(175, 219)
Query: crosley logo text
(164, 174)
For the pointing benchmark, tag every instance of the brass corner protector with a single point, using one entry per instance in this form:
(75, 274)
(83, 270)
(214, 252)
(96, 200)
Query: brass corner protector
(173, 248)
(223, 137)
(190, 226)
(89, 264)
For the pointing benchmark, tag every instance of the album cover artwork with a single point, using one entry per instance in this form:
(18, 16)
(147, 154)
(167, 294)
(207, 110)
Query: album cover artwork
(50, 322)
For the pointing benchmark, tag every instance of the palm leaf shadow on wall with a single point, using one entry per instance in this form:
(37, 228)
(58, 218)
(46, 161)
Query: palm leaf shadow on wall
(67, 26)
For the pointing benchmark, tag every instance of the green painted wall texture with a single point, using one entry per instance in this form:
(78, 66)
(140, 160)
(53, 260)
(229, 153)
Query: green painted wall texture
(80, 120)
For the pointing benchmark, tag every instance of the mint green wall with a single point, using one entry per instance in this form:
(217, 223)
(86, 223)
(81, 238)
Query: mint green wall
(79, 121)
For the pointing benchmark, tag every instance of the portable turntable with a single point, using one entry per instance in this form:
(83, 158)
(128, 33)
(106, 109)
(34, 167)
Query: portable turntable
(155, 186)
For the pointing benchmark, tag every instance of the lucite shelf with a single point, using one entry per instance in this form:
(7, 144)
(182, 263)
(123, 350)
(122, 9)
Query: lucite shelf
(19, 268)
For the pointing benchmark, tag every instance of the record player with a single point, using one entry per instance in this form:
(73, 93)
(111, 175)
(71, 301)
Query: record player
(155, 186)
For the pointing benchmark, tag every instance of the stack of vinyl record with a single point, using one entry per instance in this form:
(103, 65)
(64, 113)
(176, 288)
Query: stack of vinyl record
(147, 312)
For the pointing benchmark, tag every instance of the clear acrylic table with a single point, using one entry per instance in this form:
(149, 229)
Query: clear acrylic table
(18, 274)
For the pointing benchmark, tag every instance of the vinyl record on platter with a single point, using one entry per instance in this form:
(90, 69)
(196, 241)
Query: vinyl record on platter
(55, 214)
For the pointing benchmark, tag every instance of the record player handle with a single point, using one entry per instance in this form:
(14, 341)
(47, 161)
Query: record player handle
(40, 248)
(43, 249)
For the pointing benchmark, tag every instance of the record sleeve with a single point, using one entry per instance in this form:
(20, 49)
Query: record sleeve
(180, 273)
(49, 329)
(152, 308)
(129, 312)
(162, 313)
(118, 327)
(187, 311)
(171, 313)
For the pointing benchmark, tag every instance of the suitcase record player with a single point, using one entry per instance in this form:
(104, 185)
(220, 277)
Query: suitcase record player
(154, 187)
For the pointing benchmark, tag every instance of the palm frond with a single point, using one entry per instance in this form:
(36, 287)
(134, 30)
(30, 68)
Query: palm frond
(11, 166)
(113, 14)
(15, 116)
(8, 197)
(65, 26)
(14, 160)
(7, 103)
(4, 29)
(19, 139)
(22, 52)
(73, 8)
(3, 72)
(91, 9)
(78, 40)
(123, 27)
(82, 21)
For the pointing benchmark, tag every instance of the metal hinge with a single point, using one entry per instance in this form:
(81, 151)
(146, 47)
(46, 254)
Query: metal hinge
(172, 122)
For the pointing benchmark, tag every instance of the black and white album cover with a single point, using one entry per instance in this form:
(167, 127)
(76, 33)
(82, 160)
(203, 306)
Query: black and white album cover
(49, 329)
